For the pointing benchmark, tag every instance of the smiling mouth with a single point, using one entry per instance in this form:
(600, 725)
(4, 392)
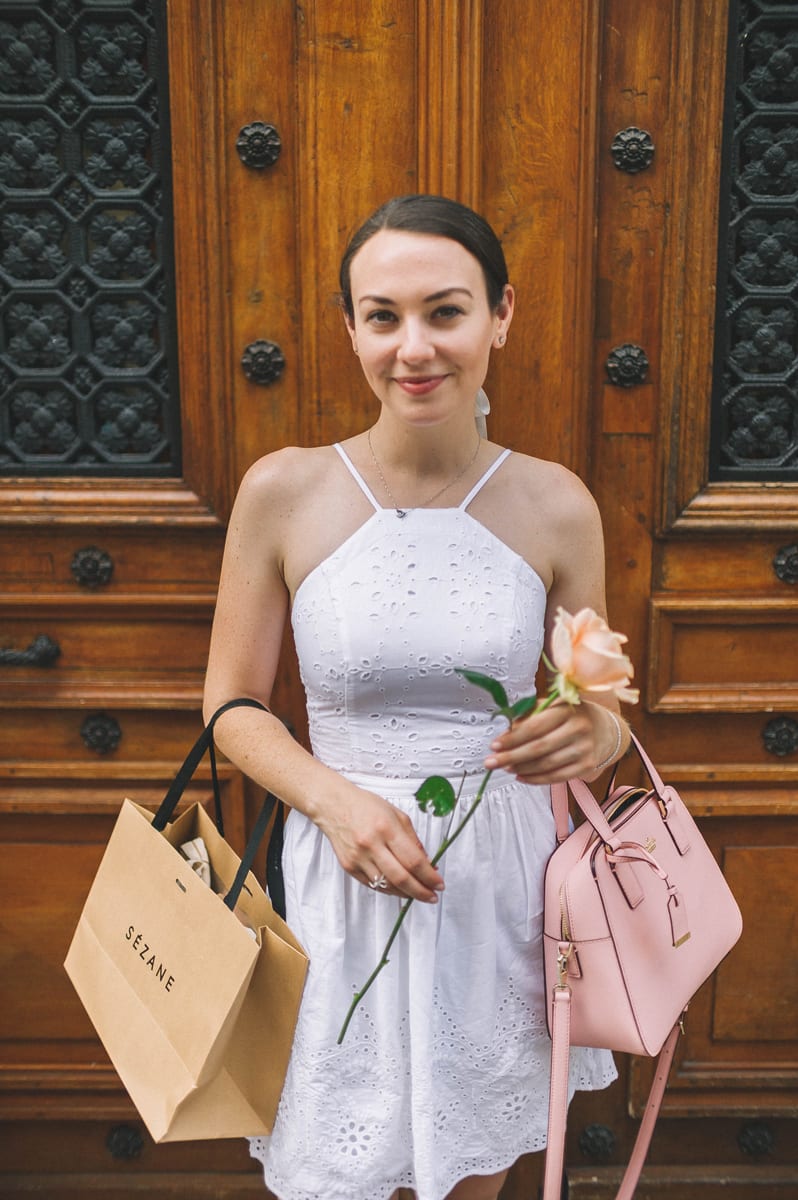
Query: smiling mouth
(418, 383)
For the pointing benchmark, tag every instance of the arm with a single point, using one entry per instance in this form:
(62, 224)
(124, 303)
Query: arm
(369, 836)
(565, 741)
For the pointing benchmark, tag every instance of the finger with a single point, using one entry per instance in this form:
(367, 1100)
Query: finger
(565, 753)
(541, 752)
(562, 725)
(408, 870)
(551, 770)
(378, 882)
(581, 762)
(533, 727)
(574, 759)
(415, 876)
(389, 846)
(405, 868)
(412, 858)
(400, 883)
(406, 885)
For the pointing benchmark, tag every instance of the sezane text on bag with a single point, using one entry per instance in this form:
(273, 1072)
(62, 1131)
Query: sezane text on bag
(637, 915)
(196, 1011)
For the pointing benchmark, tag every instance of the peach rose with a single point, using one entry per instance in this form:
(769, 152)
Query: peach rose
(587, 657)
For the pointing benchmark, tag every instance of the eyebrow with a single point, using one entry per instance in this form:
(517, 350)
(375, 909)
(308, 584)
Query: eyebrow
(427, 299)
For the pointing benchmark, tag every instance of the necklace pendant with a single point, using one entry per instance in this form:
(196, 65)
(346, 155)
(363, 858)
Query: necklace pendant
(401, 513)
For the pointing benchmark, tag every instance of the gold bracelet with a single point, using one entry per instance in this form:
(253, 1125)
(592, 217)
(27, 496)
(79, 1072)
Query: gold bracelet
(606, 762)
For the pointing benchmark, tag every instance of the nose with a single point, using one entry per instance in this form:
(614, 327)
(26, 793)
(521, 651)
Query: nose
(415, 345)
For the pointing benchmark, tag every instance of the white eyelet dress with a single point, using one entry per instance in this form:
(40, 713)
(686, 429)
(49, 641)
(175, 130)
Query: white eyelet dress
(444, 1071)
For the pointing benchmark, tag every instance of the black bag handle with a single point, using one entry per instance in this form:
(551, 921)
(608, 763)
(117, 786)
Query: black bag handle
(178, 785)
(251, 849)
(275, 883)
(192, 760)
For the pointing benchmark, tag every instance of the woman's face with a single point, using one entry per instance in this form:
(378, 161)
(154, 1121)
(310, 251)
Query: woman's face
(423, 328)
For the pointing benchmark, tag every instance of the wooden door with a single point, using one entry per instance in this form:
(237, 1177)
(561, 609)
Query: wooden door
(700, 526)
(289, 122)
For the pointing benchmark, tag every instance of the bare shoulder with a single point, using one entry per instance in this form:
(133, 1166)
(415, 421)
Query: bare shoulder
(294, 507)
(273, 495)
(554, 492)
(570, 540)
(284, 474)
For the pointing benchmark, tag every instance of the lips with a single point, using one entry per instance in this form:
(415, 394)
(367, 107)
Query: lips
(419, 385)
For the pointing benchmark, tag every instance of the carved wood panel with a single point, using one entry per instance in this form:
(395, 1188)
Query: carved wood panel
(692, 579)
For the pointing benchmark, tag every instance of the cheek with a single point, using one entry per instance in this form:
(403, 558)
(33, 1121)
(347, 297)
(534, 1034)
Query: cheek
(478, 349)
(372, 370)
(374, 351)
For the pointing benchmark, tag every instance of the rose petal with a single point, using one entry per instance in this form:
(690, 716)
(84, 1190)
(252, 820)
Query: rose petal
(588, 656)
(561, 643)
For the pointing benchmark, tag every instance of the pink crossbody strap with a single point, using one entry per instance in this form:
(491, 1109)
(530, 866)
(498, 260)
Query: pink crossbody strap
(558, 1103)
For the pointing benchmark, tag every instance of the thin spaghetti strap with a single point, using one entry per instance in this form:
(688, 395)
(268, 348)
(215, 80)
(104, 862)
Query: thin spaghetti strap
(494, 466)
(361, 483)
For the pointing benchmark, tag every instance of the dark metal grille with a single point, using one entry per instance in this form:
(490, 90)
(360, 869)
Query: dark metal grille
(755, 401)
(88, 382)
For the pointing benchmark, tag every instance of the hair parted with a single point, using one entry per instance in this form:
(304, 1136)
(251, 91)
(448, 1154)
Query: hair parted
(440, 217)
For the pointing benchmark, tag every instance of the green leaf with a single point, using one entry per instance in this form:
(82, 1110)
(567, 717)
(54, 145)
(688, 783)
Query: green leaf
(487, 684)
(522, 707)
(438, 794)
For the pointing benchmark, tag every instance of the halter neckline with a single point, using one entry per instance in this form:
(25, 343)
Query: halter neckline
(367, 492)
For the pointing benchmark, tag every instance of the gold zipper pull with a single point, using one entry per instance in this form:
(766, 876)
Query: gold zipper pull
(564, 951)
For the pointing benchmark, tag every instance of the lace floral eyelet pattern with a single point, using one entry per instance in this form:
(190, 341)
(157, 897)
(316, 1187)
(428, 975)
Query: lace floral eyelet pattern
(381, 625)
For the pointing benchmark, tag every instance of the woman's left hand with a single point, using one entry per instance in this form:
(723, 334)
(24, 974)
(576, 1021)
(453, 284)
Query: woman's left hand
(565, 741)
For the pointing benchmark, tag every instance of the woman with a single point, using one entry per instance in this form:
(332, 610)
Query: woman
(412, 549)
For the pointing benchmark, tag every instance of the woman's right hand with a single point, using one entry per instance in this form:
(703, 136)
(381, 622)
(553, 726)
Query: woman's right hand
(372, 838)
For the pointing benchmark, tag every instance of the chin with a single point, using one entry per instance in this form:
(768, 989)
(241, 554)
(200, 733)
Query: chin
(428, 412)
(427, 420)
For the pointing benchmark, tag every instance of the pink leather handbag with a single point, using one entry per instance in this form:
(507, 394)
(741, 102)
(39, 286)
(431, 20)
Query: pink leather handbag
(637, 915)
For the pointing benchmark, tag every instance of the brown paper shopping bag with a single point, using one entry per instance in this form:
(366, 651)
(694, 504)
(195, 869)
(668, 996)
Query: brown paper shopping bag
(196, 1014)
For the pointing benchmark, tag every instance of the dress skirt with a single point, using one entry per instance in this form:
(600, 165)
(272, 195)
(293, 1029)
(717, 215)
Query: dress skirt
(444, 1070)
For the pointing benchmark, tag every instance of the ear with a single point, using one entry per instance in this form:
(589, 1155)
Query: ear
(350, 329)
(504, 315)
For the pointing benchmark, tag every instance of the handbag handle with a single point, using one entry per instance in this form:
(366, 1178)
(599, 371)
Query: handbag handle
(588, 803)
(178, 785)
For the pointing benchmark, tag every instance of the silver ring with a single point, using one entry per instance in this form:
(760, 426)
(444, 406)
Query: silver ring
(378, 883)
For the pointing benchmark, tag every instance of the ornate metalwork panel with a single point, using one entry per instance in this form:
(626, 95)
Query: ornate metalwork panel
(755, 413)
(87, 364)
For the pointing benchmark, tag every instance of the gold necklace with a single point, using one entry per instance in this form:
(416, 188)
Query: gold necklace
(402, 512)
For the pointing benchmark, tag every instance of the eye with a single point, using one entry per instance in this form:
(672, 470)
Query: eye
(381, 316)
(448, 312)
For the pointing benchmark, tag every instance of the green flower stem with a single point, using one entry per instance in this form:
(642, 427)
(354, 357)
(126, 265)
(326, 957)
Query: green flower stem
(382, 963)
(439, 853)
(447, 841)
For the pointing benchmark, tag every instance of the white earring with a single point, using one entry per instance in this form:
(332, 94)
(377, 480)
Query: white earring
(501, 339)
(481, 410)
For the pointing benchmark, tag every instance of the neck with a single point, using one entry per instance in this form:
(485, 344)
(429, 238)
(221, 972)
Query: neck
(410, 486)
(425, 452)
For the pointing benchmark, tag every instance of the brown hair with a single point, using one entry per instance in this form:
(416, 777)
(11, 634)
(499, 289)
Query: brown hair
(440, 217)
